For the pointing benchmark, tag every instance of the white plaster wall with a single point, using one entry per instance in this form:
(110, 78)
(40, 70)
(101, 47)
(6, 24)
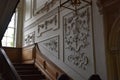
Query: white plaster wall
(19, 31)
(100, 58)
(72, 71)
(99, 48)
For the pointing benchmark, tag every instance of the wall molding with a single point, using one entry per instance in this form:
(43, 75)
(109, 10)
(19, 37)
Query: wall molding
(78, 40)
(52, 23)
(45, 7)
(28, 9)
(74, 38)
(29, 39)
(52, 45)
(44, 17)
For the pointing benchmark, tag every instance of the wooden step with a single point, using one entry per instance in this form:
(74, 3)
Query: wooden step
(24, 66)
(22, 72)
(20, 64)
(32, 77)
(29, 72)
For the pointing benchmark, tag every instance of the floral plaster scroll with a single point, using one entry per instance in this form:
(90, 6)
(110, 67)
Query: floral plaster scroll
(78, 39)
(41, 6)
(47, 25)
(52, 45)
(29, 39)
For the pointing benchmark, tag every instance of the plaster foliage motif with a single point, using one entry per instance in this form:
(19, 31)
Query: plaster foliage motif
(49, 24)
(76, 33)
(45, 6)
(30, 38)
(52, 44)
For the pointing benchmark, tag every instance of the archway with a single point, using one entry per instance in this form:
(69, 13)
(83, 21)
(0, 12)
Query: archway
(114, 51)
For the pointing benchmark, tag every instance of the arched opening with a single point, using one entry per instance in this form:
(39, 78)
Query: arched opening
(113, 55)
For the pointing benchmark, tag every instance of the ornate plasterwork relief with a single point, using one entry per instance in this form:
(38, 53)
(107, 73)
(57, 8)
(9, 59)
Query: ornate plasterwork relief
(78, 38)
(52, 45)
(44, 6)
(29, 39)
(47, 25)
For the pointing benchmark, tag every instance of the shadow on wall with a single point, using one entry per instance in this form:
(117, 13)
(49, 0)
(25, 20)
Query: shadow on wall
(63, 77)
(94, 77)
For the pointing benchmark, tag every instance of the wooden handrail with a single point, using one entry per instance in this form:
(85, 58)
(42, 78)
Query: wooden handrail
(51, 70)
(6, 67)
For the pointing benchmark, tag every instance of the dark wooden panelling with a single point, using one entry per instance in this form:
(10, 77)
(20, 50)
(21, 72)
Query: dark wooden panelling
(50, 69)
(32, 54)
(14, 54)
(27, 54)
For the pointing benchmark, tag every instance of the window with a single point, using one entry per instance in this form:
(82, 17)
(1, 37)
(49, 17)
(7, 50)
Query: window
(9, 36)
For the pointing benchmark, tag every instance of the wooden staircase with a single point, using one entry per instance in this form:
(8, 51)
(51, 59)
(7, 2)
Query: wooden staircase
(29, 72)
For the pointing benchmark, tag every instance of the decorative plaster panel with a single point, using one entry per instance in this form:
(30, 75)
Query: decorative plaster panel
(78, 41)
(52, 45)
(28, 10)
(29, 39)
(51, 23)
(41, 6)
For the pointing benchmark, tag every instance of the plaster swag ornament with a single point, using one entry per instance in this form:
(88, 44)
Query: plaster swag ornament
(29, 39)
(76, 37)
(52, 45)
(45, 7)
(49, 24)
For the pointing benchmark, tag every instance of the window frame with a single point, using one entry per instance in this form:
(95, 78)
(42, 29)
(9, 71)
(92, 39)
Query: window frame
(14, 27)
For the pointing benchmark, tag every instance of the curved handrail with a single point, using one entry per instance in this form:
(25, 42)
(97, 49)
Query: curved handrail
(6, 67)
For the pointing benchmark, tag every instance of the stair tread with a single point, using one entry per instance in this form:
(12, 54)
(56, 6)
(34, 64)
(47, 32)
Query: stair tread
(22, 73)
(23, 64)
(29, 72)
(25, 68)
(31, 75)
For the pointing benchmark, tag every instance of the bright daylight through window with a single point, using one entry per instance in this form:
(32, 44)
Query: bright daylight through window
(9, 36)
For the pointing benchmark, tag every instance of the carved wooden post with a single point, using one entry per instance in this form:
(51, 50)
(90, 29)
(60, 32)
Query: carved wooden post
(34, 52)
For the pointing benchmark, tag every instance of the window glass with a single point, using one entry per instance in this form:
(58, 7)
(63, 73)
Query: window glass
(10, 32)
(9, 36)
